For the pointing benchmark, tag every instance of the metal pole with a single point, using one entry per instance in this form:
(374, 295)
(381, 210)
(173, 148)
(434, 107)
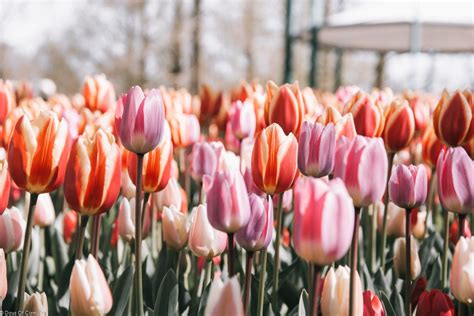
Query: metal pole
(288, 71)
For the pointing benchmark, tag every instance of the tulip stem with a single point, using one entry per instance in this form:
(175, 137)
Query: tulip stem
(154, 233)
(407, 262)
(444, 274)
(248, 281)
(96, 220)
(26, 252)
(138, 238)
(313, 285)
(261, 286)
(230, 254)
(207, 275)
(385, 214)
(431, 194)
(83, 219)
(354, 253)
(276, 265)
(41, 261)
(462, 223)
(373, 240)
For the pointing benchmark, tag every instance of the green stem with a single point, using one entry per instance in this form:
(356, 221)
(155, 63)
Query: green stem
(83, 219)
(431, 194)
(230, 254)
(154, 233)
(408, 263)
(207, 275)
(444, 274)
(138, 238)
(96, 220)
(248, 281)
(373, 239)
(354, 253)
(314, 294)
(261, 286)
(41, 261)
(276, 265)
(385, 214)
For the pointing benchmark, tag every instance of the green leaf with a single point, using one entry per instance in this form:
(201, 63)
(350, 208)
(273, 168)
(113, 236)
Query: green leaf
(397, 303)
(389, 311)
(64, 278)
(203, 300)
(302, 305)
(160, 270)
(434, 280)
(122, 290)
(167, 300)
(380, 282)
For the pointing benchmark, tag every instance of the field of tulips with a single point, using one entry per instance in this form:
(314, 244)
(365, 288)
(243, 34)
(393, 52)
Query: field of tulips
(263, 200)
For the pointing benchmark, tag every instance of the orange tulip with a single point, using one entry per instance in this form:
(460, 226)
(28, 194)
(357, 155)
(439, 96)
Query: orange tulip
(330, 115)
(211, 102)
(185, 130)
(7, 100)
(452, 119)
(431, 146)
(367, 113)
(93, 174)
(274, 160)
(421, 110)
(284, 106)
(98, 93)
(38, 151)
(399, 125)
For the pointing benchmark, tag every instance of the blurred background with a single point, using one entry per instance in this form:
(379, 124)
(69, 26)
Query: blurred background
(404, 44)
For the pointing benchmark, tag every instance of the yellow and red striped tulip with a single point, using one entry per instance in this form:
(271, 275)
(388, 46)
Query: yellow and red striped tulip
(93, 174)
(99, 93)
(38, 152)
(367, 113)
(399, 125)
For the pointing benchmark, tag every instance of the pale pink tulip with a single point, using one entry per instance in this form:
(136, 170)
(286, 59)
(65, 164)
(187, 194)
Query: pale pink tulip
(399, 264)
(175, 228)
(36, 304)
(126, 220)
(44, 211)
(242, 119)
(224, 298)
(3, 277)
(12, 230)
(462, 271)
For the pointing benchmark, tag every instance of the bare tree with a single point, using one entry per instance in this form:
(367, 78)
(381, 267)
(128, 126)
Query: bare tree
(196, 46)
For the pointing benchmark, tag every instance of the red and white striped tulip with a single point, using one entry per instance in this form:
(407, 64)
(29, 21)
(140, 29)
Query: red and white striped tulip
(99, 93)
(185, 130)
(367, 113)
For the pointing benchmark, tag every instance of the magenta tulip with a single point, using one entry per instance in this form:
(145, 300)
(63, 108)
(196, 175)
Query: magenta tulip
(316, 149)
(205, 159)
(323, 222)
(257, 234)
(408, 186)
(140, 120)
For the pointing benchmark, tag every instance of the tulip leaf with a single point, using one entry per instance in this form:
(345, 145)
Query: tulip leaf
(65, 275)
(167, 300)
(397, 303)
(434, 280)
(380, 282)
(203, 300)
(389, 311)
(161, 268)
(303, 303)
(122, 290)
(367, 278)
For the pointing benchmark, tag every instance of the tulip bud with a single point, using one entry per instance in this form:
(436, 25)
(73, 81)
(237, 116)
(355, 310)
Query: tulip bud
(418, 288)
(211, 102)
(7, 100)
(185, 130)
(345, 127)
(92, 180)
(408, 186)
(36, 304)
(126, 220)
(99, 93)
(321, 209)
(399, 264)
(335, 295)
(44, 211)
(454, 231)
(140, 120)
(435, 302)
(396, 220)
(228, 206)
(372, 305)
(462, 271)
(5, 181)
(175, 228)
(455, 181)
(204, 240)
(12, 230)
(242, 119)
(431, 146)
(421, 110)
(399, 125)
(90, 293)
(367, 113)
(38, 152)
(170, 195)
(329, 115)
(316, 149)
(224, 298)
(69, 225)
(205, 159)
(231, 142)
(257, 233)
(3, 277)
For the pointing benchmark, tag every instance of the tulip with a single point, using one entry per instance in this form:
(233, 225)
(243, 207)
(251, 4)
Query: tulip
(454, 231)
(92, 180)
(3, 277)
(128, 188)
(170, 195)
(329, 115)
(408, 186)
(321, 210)
(126, 220)
(335, 295)
(419, 287)
(287, 200)
(12, 230)
(5, 182)
(399, 262)
(224, 298)
(242, 119)
(205, 240)
(211, 103)
(462, 271)
(185, 130)
(140, 120)
(399, 125)
(175, 228)
(452, 118)
(345, 126)
(421, 110)
(274, 160)
(99, 93)
(90, 293)
(431, 146)
(35, 304)
(316, 149)
(69, 225)
(7, 100)
(38, 152)
(367, 113)
(435, 302)
(284, 106)
(372, 305)
(396, 220)
(205, 159)
(44, 211)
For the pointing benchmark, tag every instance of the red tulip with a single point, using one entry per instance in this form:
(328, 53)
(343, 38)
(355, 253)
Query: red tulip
(431, 146)
(5, 181)
(69, 225)
(421, 110)
(98, 93)
(367, 113)
(435, 302)
(418, 288)
(372, 305)
(211, 103)
(454, 231)
(399, 125)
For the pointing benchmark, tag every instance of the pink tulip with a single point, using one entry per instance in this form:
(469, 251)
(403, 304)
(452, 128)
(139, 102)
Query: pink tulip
(204, 240)
(140, 120)
(257, 234)
(242, 119)
(3, 277)
(324, 220)
(228, 206)
(44, 211)
(408, 186)
(90, 293)
(12, 230)
(205, 159)
(35, 304)
(231, 142)
(462, 271)
(224, 298)
(126, 220)
(455, 180)
(316, 149)
(363, 166)
(185, 130)
(5, 180)
(170, 195)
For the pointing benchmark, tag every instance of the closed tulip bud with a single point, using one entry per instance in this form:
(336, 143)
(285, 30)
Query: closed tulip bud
(44, 211)
(38, 152)
(69, 225)
(421, 110)
(431, 146)
(170, 195)
(454, 231)
(345, 127)
(3, 277)
(462, 271)
(452, 118)
(231, 142)
(372, 305)
(126, 220)
(399, 125)
(205, 240)
(175, 228)
(5, 181)
(284, 106)
(36, 304)
(140, 120)
(321, 209)
(435, 302)
(274, 160)
(185, 130)
(399, 264)
(205, 159)
(316, 149)
(7, 100)
(224, 298)
(228, 206)
(211, 102)
(396, 220)
(408, 186)
(90, 293)
(99, 93)
(329, 115)
(367, 113)
(242, 119)
(335, 295)
(12, 230)
(455, 182)
(363, 167)
(93, 176)
(257, 233)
